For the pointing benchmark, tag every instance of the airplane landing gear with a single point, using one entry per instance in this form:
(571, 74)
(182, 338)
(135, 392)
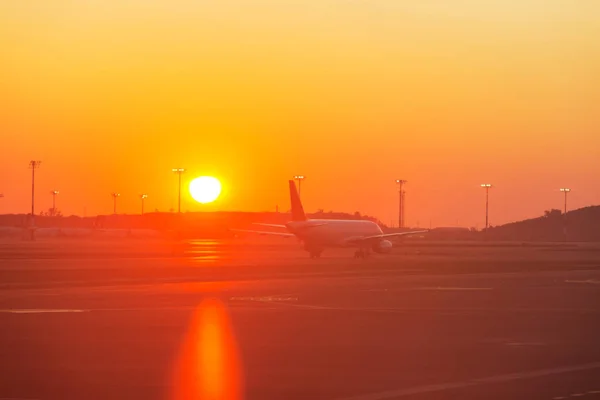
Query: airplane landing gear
(315, 253)
(360, 253)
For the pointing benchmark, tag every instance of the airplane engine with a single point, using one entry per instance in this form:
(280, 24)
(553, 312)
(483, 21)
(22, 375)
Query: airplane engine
(382, 247)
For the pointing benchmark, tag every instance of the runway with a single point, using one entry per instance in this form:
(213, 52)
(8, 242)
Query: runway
(437, 322)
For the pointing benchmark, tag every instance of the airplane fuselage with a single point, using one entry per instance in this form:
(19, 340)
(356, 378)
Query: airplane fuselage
(331, 232)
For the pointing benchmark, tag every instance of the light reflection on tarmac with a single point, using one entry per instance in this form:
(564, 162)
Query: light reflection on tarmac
(99, 321)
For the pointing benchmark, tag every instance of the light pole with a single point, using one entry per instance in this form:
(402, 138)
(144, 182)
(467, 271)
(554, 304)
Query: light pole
(143, 196)
(565, 191)
(400, 183)
(487, 187)
(54, 193)
(179, 171)
(33, 165)
(299, 178)
(115, 195)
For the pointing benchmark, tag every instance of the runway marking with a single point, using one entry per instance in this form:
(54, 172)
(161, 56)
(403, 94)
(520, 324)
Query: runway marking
(589, 281)
(18, 398)
(594, 392)
(577, 394)
(263, 298)
(473, 382)
(525, 344)
(444, 310)
(452, 288)
(40, 311)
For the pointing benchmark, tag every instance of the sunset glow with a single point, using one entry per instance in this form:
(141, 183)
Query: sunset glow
(205, 189)
(447, 94)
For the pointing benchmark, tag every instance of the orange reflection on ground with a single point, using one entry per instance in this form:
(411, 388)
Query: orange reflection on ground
(209, 365)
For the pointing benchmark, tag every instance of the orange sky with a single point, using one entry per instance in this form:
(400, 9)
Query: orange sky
(447, 94)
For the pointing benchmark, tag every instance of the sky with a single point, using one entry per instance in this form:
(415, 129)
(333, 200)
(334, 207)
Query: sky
(447, 94)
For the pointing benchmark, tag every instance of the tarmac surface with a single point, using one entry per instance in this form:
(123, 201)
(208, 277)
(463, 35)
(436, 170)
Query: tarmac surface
(111, 320)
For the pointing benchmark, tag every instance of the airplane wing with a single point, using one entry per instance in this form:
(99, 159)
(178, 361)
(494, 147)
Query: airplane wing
(362, 239)
(281, 234)
(271, 225)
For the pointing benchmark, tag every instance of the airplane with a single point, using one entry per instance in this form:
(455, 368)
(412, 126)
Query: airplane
(318, 234)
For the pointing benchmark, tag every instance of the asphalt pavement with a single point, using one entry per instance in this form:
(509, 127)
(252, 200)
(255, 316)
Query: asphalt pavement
(115, 321)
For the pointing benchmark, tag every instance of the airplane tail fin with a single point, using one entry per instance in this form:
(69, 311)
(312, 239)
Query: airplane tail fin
(297, 209)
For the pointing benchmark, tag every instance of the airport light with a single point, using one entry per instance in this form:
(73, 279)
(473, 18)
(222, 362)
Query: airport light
(143, 197)
(54, 193)
(299, 179)
(33, 165)
(487, 187)
(179, 171)
(565, 191)
(115, 195)
(400, 183)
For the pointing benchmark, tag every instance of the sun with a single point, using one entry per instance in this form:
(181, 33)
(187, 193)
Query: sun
(205, 189)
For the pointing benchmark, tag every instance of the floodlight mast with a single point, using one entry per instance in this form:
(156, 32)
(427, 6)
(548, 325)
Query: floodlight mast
(143, 197)
(179, 171)
(487, 187)
(299, 179)
(115, 195)
(401, 183)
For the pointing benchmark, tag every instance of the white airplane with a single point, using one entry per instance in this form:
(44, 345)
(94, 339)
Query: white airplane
(317, 234)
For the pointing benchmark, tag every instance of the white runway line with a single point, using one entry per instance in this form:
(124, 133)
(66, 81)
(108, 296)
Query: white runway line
(391, 394)
(525, 344)
(18, 398)
(451, 288)
(588, 281)
(263, 298)
(138, 309)
(40, 311)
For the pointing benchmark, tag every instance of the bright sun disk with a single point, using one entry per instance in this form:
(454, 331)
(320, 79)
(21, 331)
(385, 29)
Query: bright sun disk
(205, 189)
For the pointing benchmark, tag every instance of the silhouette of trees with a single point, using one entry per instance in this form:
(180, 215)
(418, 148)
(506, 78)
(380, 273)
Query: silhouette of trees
(553, 213)
(582, 225)
(52, 212)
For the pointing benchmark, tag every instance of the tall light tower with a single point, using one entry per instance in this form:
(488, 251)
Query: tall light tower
(299, 179)
(143, 197)
(403, 208)
(33, 165)
(566, 192)
(115, 195)
(487, 187)
(400, 183)
(179, 171)
(54, 193)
